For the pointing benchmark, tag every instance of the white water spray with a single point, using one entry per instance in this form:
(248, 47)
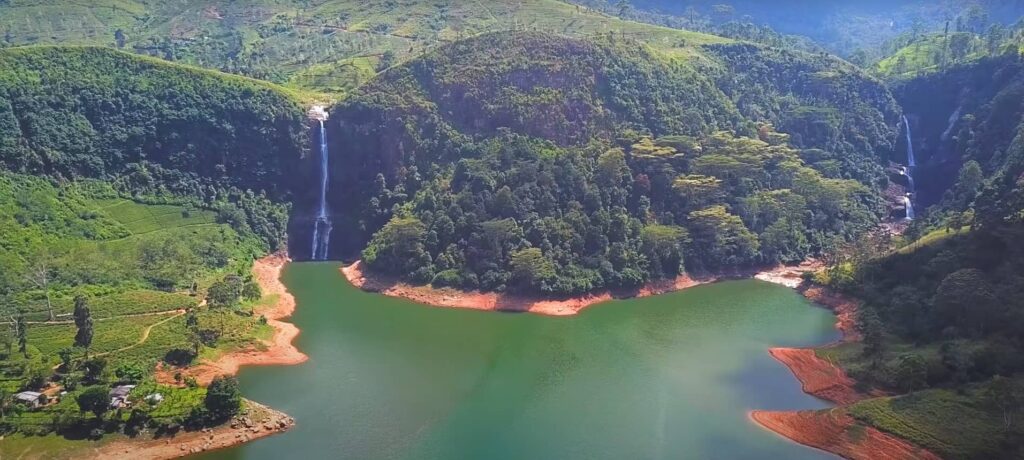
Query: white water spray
(905, 172)
(322, 226)
(952, 122)
(910, 144)
(908, 171)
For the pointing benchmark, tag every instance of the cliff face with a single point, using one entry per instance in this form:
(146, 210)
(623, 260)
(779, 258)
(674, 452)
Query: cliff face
(968, 112)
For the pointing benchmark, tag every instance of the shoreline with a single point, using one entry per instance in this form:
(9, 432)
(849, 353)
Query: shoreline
(836, 432)
(279, 350)
(491, 301)
(832, 430)
(257, 421)
(818, 377)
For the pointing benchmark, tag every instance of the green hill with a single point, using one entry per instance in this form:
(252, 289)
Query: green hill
(329, 46)
(528, 146)
(926, 54)
(151, 126)
(133, 187)
(943, 313)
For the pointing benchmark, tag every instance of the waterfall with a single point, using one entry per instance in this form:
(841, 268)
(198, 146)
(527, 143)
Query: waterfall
(908, 170)
(905, 172)
(952, 122)
(910, 144)
(322, 226)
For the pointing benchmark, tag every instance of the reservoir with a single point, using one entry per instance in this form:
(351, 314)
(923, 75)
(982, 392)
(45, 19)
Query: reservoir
(665, 377)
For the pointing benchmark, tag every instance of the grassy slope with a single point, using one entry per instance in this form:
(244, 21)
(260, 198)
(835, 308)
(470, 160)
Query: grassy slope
(133, 323)
(925, 419)
(931, 54)
(924, 56)
(331, 46)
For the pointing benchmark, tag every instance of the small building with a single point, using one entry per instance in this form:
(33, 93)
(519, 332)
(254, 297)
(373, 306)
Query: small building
(155, 398)
(31, 399)
(119, 396)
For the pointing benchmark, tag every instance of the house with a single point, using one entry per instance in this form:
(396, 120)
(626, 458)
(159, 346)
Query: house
(119, 396)
(31, 399)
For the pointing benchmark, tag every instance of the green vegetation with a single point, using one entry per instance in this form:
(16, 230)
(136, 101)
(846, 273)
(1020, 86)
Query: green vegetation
(954, 425)
(915, 55)
(329, 46)
(497, 147)
(93, 294)
(535, 147)
(122, 118)
(942, 309)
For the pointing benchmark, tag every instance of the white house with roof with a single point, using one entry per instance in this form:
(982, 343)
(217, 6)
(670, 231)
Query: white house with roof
(32, 399)
(119, 396)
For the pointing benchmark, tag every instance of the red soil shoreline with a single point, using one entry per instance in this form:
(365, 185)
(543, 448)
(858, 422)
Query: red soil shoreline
(279, 350)
(261, 421)
(818, 377)
(833, 430)
(490, 301)
(836, 432)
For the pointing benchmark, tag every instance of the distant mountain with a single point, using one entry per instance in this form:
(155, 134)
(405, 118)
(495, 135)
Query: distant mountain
(842, 27)
(330, 46)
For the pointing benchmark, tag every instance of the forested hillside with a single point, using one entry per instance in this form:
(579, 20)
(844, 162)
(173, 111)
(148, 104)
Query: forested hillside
(499, 156)
(152, 127)
(943, 313)
(134, 196)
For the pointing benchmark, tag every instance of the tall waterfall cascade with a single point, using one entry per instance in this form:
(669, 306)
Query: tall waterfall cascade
(910, 144)
(952, 123)
(908, 171)
(322, 226)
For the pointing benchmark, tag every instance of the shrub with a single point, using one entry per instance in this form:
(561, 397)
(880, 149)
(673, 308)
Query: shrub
(179, 356)
(223, 398)
(447, 278)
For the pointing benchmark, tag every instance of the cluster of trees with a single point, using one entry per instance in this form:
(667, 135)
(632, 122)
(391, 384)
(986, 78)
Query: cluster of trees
(523, 214)
(840, 117)
(222, 400)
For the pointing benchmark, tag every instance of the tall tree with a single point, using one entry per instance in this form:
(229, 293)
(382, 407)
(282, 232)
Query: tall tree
(192, 323)
(95, 400)
(83, 320)
(223, 398)
(21, 332)
(40, 274)
(1007, 396)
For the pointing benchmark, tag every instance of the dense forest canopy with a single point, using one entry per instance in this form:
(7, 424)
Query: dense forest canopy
(151, 127)
(611, 169)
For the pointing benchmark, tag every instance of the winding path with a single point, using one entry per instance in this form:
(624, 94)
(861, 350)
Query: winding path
(145, 333)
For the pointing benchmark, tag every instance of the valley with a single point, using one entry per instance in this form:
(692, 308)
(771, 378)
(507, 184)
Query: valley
(206, 207)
